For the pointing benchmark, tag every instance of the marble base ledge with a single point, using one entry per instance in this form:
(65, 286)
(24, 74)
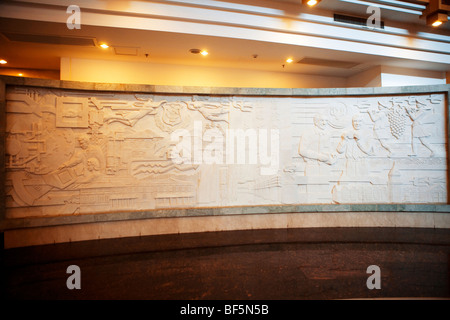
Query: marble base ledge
(109, 229)
(17, 223)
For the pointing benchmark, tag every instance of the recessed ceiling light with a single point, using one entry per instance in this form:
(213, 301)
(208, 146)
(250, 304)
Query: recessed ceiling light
(2, 61)
(104, 46)
(311, 3)
(197, 51)
(289, 60)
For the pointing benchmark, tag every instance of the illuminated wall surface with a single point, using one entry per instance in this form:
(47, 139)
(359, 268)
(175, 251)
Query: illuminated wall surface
(70, 151)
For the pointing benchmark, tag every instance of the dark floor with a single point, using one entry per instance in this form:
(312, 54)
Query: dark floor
(329, 263)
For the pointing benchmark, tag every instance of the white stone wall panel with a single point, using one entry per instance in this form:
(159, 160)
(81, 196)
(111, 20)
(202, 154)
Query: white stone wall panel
(80, 152)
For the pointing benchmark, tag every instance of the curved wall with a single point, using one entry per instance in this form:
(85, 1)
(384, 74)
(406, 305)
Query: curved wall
(88, 160)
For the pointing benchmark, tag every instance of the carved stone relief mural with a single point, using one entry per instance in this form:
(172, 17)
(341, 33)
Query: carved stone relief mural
(80, 152)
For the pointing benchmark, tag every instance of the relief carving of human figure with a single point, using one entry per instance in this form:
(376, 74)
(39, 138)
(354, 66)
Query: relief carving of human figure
(315, 148)
(419, 127)
(87, 162)
(356, 145)
(381, 126)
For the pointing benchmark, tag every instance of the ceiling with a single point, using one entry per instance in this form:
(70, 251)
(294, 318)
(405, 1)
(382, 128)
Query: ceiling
(173, 48)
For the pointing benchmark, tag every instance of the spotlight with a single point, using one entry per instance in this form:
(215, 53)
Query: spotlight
(289, 60)
(436, 12)
(310, 3)
(104, 46)
(197, 51)
(436, 19)
(2, 61)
